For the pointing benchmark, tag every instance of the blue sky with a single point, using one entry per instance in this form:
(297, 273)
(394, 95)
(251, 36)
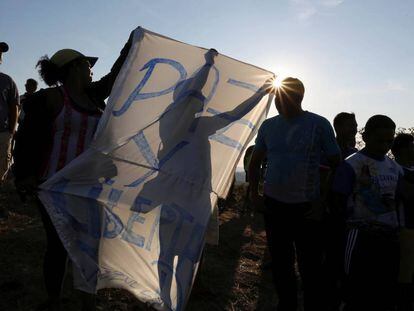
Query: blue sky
(351, 55)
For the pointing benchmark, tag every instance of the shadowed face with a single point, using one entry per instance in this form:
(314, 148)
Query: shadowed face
(410, 154)
(379, 141)
(1, 58)
(30, 87)
(82, 71)
(285, 105)
(347, 131)
(406, 155)
(289, 97)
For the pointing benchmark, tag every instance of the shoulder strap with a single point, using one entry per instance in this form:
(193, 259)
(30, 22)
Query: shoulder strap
(65, 95)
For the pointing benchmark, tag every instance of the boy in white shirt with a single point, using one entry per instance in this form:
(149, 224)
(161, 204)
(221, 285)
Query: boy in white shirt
(365, 187)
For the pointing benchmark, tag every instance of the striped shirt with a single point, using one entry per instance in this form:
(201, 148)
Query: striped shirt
(73, 131)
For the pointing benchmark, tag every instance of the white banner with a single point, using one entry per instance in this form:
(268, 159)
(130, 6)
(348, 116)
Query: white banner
(133, 211)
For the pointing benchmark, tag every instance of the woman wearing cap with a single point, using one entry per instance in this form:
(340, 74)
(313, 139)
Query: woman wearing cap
(58, 127)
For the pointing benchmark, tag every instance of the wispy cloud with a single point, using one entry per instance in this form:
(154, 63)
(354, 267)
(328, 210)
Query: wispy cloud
(306, 9)
(331, 3)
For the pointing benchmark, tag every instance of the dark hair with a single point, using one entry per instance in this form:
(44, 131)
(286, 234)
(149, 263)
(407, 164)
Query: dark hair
(379, 122)
(401, 141)
(341, 117)
(292, 89)
(31, 81)
(52, 74)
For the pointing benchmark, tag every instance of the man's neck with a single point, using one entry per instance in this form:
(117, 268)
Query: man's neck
(373, 155)
(342, 143)
(294, 114)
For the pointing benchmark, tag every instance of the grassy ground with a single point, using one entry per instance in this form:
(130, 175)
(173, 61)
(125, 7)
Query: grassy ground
(230, 278)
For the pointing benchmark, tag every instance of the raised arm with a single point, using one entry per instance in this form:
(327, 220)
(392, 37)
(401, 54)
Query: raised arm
(102, 89)
(201, 78)
(192, 87)
(246, 106)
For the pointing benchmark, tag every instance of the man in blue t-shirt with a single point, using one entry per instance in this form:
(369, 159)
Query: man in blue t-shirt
(292, 142)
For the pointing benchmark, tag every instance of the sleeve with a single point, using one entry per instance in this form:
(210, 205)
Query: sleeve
(33, 138)
(13, 96)
(260, 141)
(102, 89)
(400, 184)
(344, 179)
(328, 140)
(399, 199)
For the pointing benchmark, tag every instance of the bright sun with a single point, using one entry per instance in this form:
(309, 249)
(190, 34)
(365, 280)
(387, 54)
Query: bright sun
(278, 81)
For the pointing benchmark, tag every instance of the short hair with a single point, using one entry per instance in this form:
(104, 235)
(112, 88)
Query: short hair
(341, 117)
(379, 121)
(401, 141)
(31, 81)
(292, 89)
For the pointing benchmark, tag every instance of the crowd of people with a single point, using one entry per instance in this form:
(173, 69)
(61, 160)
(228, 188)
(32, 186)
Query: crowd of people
(345, 216)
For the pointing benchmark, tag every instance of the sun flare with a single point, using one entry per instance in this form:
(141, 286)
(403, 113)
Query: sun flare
(277, 83)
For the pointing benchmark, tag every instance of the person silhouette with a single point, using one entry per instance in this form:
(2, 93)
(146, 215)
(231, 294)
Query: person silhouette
(183, 166)
(9, 103)
(59, 125)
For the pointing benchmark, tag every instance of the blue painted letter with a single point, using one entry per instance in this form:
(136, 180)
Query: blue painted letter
(136, 95)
